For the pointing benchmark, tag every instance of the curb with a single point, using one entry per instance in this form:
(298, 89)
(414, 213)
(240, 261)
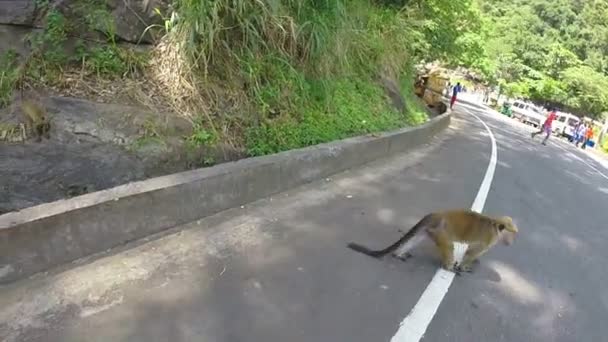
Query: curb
(45, 236)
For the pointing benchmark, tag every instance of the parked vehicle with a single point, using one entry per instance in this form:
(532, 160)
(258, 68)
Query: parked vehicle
(528, 113)
(564, 124)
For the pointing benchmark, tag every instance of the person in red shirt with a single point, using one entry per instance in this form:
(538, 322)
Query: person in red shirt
(546, 128)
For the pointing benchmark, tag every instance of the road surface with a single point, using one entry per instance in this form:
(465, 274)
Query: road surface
(279, 269)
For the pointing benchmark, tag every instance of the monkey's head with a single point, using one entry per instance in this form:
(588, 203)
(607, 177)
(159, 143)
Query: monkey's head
(508, 230)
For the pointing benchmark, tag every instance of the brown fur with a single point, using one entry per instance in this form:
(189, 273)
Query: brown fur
(36, 119)
(481, 232)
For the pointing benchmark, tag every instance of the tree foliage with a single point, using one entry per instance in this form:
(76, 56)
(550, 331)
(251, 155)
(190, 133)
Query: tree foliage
(307, 71)
(552, 51)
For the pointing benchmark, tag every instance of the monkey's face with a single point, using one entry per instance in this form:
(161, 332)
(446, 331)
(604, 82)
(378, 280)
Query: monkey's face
(508, 231)
(507, 237)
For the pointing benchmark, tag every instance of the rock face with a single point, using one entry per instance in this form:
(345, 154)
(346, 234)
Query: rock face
(17, 12)
(17, 19)
(13, 38)
(131, 17)
(37, 173)
(93, 146)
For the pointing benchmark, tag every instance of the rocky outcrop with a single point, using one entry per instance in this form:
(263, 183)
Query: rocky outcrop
(130, 17)
(13, 38)
(92, 146)
(17, 12)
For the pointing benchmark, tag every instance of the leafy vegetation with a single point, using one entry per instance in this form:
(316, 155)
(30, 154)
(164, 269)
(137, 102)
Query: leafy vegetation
(8, 76)
(552, 52)
(265, 75)
(52, 52)
(307, 70)
(271, 75)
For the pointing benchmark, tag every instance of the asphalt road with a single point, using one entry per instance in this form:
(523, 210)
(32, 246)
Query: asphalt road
(279, 269)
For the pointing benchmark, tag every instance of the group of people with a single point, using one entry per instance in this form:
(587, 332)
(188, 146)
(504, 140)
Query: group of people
(582, 133)
(454, 89)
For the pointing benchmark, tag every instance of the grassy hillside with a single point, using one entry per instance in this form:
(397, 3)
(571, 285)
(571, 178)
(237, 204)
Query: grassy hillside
(261, 76)
(287, 74)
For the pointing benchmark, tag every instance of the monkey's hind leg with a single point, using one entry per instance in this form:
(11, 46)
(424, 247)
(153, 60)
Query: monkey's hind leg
(403, 253)
(39, 132)
(445, 247)
(46, 129)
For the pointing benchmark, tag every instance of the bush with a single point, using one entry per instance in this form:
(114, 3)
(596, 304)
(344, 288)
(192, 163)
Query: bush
(307, 69)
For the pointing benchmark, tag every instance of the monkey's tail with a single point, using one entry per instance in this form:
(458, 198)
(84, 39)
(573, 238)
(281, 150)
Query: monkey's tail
(365, 250)
(380, 253)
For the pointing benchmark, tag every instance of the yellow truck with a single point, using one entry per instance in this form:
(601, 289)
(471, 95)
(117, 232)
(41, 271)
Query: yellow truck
(430, 87)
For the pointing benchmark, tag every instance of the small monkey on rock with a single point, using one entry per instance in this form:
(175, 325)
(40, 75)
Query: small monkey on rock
(36, 119)
(479, 231)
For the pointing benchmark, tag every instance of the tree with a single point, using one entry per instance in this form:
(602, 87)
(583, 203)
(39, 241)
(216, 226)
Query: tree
(549, 50)
(588, 89)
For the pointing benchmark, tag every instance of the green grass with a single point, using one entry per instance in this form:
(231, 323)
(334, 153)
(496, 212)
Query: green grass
(267, 75)
(357, 107)
(8, 76)
(104, 59)
(306, 70)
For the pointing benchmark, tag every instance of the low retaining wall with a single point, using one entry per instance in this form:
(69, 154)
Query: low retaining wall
(41, 237)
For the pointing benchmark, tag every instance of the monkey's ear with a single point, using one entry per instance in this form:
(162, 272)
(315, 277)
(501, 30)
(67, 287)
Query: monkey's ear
(501, 227)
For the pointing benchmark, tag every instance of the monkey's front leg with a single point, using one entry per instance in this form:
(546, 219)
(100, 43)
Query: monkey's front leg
(472, 254)
(444, 245)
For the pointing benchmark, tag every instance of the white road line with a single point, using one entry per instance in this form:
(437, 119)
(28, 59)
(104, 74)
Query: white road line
(484, 189)
(414, 325)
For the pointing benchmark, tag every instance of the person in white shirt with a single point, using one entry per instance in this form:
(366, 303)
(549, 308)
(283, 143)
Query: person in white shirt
(580, 134)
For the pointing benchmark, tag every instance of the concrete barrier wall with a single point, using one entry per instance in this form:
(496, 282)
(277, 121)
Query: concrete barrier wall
(45, 236)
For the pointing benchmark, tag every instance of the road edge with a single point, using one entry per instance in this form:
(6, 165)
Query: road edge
(48, 235)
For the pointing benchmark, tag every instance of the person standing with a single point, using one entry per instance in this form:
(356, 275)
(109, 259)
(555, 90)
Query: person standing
(574, 137)
(580, 134)
(457, 89)
(546, 127)
(588, 136)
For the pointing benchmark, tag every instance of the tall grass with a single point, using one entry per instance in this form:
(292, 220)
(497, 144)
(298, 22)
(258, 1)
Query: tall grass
(276, 74)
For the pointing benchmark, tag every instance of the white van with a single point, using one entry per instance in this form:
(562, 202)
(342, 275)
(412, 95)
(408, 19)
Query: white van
(527, 113)
(564, 124)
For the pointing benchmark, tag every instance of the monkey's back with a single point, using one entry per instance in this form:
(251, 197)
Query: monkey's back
(33, 111)
(469, 226)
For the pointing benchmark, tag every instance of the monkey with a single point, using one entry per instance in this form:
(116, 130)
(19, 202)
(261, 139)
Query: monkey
(444, 228)
(36, 119)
